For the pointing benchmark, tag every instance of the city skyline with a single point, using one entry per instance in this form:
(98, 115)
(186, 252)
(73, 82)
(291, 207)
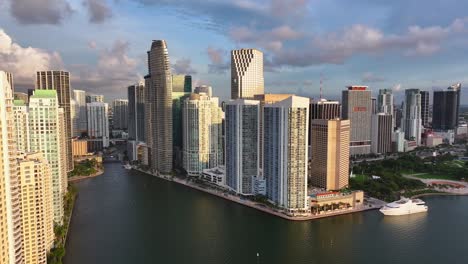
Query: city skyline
(109, 54)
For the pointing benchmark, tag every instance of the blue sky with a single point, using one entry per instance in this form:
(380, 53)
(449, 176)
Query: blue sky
(384, 44)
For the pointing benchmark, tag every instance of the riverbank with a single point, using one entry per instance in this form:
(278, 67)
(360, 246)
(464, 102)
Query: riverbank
(80, 178)
(442, 187)
(262, 207)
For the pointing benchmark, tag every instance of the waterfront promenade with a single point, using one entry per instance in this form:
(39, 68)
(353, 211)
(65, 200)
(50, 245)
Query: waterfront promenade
(441, 185)
(372, 205)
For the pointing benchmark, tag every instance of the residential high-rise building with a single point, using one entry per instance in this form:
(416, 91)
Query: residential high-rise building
(411, 121)
(382, 130)
(285, 153)
(136, 112)
(159, 100)
(120, 109)
(62, 154)
(330, 153)
(94, 98)
(385, 103)
(357, 108)
(241, 144)
(202, 133)
(323, 109)
(45, 137)
(60, 82)
(181, 89)
(445, 110)
(424, 108)
(21, 125)
(457, 88)
(36, 207)
(98, 122)
(74, 118)
(204, 89)
(11, 241)
(22, 96)
(82, 123)
(266, 99)
(246, 73)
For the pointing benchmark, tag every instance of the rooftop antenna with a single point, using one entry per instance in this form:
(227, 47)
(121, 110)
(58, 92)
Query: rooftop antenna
(321, 85)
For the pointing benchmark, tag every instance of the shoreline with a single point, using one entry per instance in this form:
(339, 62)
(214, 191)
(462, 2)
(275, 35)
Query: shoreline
(439, 194)
(259, 206)
(79, 178)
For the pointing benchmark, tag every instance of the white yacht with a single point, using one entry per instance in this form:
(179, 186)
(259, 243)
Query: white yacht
(404, 206)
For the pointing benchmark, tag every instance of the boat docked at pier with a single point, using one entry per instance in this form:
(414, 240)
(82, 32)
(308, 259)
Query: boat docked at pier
(404, 206)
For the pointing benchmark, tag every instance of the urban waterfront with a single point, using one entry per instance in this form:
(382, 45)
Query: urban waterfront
(130, 217)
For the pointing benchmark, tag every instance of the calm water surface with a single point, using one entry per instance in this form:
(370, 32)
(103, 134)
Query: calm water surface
(129, 217)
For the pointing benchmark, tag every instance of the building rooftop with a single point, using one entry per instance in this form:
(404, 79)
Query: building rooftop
(19, 102)
(44, 94)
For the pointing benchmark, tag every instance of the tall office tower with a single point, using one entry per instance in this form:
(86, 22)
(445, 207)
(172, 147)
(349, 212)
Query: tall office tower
(457, 88)
(285, 152)
(120, 109)
(202, 133)
(241, 147)
(11, 241)
(265, 99)
(323, 109)
(98, 122)
(82, 123)
(357, 107)
(21, 125)
(411, 121)
(94, 98)
(159, 96)
(385, 103)
(44, 134)
(36, 212)
(374, 105)
(398, 114)
(181, 89)
(136, 111)
(445, 110)
(330, 153)
(60, 82)
(382, 129)
(74, 118)
(246, 73)
(21, 96)
(204, 89)
(425, 108)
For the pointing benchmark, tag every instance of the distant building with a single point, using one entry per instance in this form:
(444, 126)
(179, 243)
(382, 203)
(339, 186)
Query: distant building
(382, 129)
(120, 110)
(385, 104)
(330, 153)
(285, 153)
(445, 110)
(374, 105)
(82, 123)
(246, 73)
(457, 88)
(357, 108)
(80, 148)
(22, 96)
(425, 108)
(181, 89)
(242, 144)
(21, 114)
(411, 121)
(322, 109)
(98, 122)
(94, 98)
(202, 138)
(398, 141)
(204, 89)
(136, 112)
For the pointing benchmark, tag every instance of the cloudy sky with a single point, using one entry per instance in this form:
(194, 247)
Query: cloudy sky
(384, 44)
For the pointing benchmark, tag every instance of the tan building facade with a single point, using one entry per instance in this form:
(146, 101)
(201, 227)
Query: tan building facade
(330, 153)
(246, 73)
(80, 148)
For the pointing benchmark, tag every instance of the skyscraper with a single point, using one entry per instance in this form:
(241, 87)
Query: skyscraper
(11, 241)
(94, 98)
(246, 73)
(323, 109)
(424, 108)
(445, 110)
(457, 88)
(98, 122)
(242, 161)
(330, 153)
(36, 211)
(181, 89)
(285, 153)
(159, 99)
(136, 111)
(21, 125)
(44, 116)
(82, 122)
(411, 121)
(202, 133)
(374, 105)
(120, 109)
(357, 108)
(385, 103)
(382, 130)
(60, 82)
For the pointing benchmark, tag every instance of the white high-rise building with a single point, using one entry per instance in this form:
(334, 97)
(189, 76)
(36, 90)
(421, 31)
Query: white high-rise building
(386, 103)
(21, 125)
(411, 122)
(98, 122)
(242, 144)
(47, 135)
(286, 152)
(82, 123)
(74, 114)
(202, 133)
(246, 73)
(11, 241)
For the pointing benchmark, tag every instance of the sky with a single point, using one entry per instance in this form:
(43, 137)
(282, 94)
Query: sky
(395, 44)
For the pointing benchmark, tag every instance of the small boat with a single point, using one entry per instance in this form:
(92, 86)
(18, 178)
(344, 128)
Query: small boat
(127, 166)
(404, 206)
